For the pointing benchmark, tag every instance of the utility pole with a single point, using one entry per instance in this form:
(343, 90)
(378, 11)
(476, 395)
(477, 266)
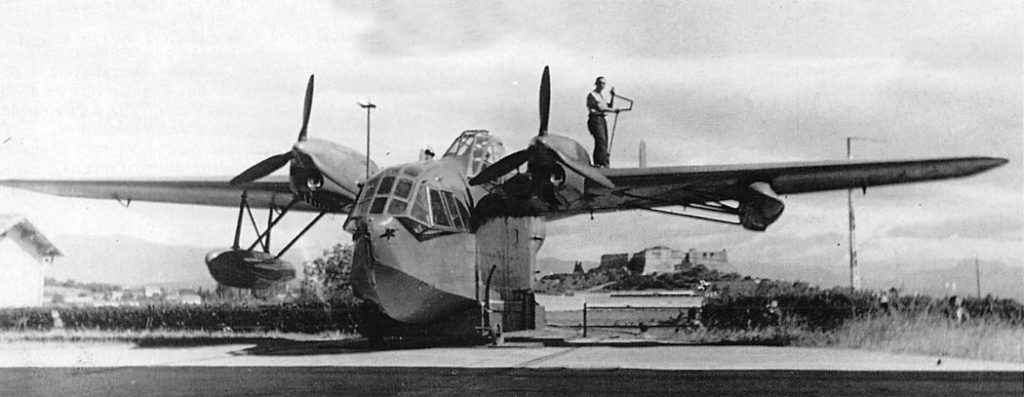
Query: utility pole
(977, 275)
(368, 106)
(854, 270)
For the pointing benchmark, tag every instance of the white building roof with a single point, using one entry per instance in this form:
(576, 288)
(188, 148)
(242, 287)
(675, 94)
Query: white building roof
(29, 234)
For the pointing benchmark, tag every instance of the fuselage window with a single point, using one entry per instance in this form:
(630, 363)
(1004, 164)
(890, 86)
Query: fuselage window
(438, 210)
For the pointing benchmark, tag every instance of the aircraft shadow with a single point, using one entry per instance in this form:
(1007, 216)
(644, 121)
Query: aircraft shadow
(290, 347)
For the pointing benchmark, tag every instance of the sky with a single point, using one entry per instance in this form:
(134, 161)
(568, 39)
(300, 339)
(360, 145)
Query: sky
(118, 89)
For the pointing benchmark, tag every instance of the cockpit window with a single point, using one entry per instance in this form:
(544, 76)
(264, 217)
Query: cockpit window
(378, 205)
(385, 185)
(420, 209)
(437, 208)
(403, 188)
(427, 211)
(449, 201)
(397, 207)
(464, 212)
(369, 189)
(366, 196)
(460, 146)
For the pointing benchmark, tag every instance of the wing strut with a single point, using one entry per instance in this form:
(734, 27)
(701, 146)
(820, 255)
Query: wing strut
(263, 237)
(710, 206)
(306, 229)
(666, 212)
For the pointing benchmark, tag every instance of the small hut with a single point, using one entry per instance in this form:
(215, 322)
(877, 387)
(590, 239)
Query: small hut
(25, 254)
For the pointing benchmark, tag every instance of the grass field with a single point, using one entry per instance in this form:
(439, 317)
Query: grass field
(928, 334)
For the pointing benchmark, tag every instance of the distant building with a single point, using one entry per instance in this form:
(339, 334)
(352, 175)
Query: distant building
(614, 261)
(152, 291)
(25, 254)
(661, 259)
(185, 297)
(709, 259)
(658, 259)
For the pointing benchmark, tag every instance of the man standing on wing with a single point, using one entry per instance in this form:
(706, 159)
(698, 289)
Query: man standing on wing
(597, 108)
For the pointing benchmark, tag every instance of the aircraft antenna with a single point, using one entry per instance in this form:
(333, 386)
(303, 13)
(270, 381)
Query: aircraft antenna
(369, 106)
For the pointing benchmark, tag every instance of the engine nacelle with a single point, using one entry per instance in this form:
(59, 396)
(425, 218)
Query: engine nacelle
(570, 187)
(248, 269)
(759, 207)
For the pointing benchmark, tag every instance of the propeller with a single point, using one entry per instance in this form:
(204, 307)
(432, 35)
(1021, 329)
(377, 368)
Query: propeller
(543, 151)
(277, 161)
(545, 101)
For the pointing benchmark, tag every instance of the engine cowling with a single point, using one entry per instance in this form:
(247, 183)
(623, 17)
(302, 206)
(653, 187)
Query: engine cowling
(248, 269)
(759, 207)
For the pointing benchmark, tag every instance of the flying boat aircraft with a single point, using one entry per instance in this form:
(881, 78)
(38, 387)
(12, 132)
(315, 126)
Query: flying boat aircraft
(448, 246)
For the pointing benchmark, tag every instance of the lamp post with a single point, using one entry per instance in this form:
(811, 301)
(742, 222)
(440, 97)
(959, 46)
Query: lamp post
(369, 106)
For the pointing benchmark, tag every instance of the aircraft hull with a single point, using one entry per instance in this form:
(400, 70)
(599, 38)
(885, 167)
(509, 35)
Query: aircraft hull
(414, 281)
(409, 299)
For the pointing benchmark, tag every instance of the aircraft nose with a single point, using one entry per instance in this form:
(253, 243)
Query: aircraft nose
(380, 227)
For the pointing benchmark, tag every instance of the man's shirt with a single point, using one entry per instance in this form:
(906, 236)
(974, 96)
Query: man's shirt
(596, 104)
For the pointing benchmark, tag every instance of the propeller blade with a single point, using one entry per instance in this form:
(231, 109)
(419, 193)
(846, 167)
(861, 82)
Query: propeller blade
(545, 101)
(502, 167)
(263, 168)
(306, 109)
(585, 170)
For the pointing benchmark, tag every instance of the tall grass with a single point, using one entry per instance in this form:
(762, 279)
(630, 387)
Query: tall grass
(984, 338)
(926, 334)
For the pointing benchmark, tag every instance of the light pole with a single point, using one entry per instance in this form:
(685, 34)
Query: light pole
(369, 106)
(854, 268)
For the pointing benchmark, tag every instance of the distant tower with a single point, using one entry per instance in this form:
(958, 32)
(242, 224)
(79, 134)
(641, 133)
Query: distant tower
(643, 153)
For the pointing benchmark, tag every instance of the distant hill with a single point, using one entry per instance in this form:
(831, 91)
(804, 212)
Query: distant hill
(128, 261)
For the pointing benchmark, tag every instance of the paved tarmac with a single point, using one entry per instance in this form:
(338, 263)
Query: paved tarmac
(286, 367)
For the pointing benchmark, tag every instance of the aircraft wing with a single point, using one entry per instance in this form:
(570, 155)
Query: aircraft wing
(270, 191)
(707, 187)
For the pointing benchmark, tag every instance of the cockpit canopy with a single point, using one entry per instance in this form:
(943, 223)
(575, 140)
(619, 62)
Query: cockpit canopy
(420, 204)
(477, 149)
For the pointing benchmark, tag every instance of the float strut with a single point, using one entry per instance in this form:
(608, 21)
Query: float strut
(238, 225)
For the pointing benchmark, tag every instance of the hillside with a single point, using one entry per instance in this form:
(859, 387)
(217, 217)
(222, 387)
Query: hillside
(124, 260)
